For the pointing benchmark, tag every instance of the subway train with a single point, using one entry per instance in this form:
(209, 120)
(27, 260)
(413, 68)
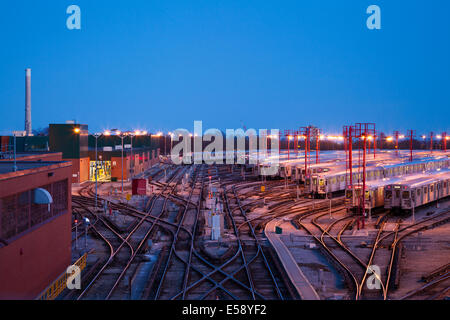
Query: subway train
(334, 181)
(375, 195)
(414, 193)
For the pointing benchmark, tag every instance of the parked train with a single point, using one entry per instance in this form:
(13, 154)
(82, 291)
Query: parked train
(376, 192)
(408, 195)
(325, 183)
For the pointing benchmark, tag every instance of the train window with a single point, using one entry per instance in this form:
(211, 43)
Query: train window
(431, 188)
(405, 194)
(397, 193)
(388, 194)
(425, 190)
(418, 192)
(348, 194)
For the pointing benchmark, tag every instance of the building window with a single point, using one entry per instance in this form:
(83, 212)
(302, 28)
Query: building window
(23, 211)
(18, 213)
(8, 219)
(59, 197)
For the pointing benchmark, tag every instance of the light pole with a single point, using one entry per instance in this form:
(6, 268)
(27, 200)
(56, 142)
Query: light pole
(76, 234)
(15, 161)
(122, 136)
(131, 171)
(170, 135)
(96, 136)
(165, 141)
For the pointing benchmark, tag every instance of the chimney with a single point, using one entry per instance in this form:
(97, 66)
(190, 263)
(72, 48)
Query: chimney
(28, 102)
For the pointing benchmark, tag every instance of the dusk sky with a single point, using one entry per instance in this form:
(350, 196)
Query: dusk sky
(160, 65)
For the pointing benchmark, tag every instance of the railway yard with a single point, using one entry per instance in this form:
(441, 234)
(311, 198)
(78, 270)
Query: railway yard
(220, 232)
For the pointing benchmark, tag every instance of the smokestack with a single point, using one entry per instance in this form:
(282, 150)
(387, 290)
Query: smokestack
(28, 102)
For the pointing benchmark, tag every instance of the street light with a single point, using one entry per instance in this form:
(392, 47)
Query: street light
(122, 136)
(77, 131)
(171, 136)
(96, 136)
(15, 161)
(134, 134)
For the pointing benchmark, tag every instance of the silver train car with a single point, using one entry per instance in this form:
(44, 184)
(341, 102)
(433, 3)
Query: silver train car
(375, 194)
(411, 194)
(322, 184)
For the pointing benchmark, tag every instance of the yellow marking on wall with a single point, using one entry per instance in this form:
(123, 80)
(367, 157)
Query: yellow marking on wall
(58, 286)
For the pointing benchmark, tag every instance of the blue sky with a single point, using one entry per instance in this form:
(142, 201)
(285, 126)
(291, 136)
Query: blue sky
(271, 64)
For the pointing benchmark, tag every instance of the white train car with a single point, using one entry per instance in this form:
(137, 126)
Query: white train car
(335, 181)
(376, 196)
(421, 191)
(373, 197)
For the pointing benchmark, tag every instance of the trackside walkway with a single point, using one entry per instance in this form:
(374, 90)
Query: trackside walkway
(298, 279)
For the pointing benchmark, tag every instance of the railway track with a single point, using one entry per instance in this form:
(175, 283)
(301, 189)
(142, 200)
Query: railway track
(246, 269)
(119, 261)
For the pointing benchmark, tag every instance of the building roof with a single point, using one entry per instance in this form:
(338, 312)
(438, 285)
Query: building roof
(27, 154)
(7, 167)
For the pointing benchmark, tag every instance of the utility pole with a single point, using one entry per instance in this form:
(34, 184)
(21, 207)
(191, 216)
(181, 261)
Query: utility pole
(317, 132)
(96, 136)
(411, 134)
(15, 148)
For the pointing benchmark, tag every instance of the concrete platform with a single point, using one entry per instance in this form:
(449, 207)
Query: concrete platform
(298, 279)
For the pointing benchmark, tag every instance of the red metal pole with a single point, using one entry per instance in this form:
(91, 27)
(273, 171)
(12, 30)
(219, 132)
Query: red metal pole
(411, 134)
(374, 146)
(317, 147)
(350, 164)
(410, 147)
(289, 146)
(309, 143)
(306, 154)
(444, 136)
(345, 134)
(431, 142)
(364, 178)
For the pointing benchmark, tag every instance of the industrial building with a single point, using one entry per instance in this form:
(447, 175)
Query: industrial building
(35, 225)
(109, 162)
(72, 140)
